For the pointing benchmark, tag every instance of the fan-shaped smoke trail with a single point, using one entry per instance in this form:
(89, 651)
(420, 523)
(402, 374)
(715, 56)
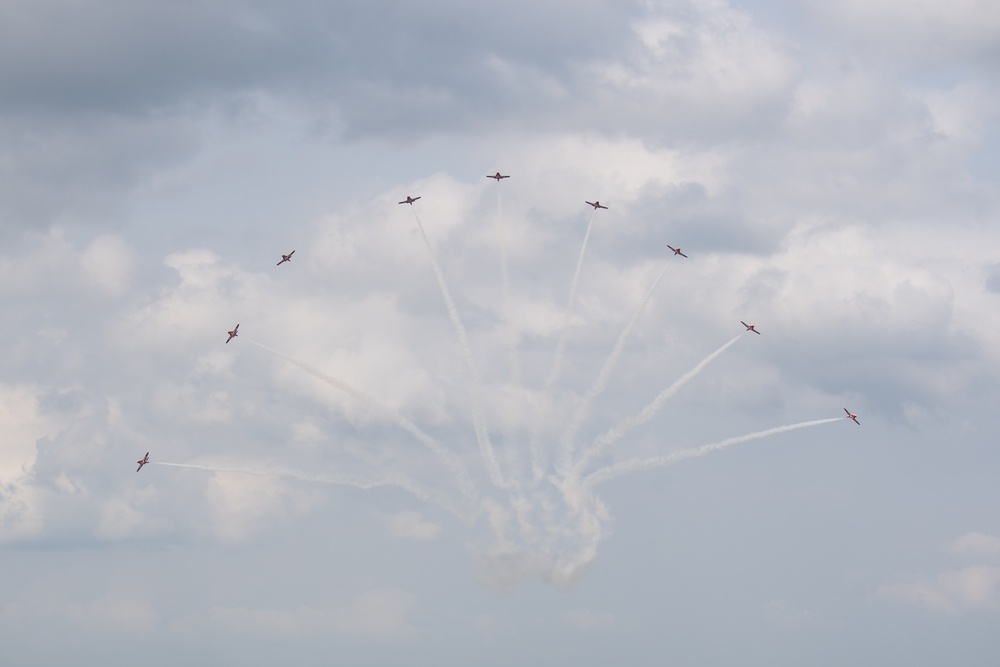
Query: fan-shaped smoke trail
(623, 468)
(569, 433)
(618, 432)
(478, 414)
(422, 492)
(450, 460)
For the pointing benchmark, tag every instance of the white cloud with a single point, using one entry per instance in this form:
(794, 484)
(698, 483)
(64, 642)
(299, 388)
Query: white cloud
(925, 30)
(707, 62)
(107, 263)
(964, 113)
(973, 588)
(411, 525)
(243, 504)
(126, 514)
(23, 423)
(976, 545)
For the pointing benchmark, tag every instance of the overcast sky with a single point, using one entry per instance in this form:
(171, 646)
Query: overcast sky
(499, 426)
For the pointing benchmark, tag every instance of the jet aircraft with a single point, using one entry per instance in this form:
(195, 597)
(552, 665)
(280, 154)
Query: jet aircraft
(851, 415)
(233, 334)
(677, 251)
(497, 176)
(286, 258)
(143, 461)
(409, 200)
(749, 327)
(596, 204)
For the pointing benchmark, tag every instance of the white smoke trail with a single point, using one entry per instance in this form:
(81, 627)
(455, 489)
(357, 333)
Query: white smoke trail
(537, 464)
(515, 363)
(550, 381)
(450, 460)
(618, 469)
(418, 490)
(618, 432)
(569, 433)
(478, 415)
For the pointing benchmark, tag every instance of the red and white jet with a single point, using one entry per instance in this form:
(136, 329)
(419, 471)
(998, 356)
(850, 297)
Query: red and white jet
(409, 200)
(677, 251)
(749, 327)
(143, 461)
(285, 258)
(596, 204)
(851, 415)
(233, 334)
(497, 176)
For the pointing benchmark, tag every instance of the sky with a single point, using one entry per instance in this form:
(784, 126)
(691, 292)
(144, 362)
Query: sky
(500, 426)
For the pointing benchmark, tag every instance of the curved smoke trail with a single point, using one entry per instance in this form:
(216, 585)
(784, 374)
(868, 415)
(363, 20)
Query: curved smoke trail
(422, 492)
(634, 465)
(478, 414)
(569, 433)
(452, 462)
(615, 434)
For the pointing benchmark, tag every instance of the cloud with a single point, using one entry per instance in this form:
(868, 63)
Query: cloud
(123, 516)
(411, 525)
(924, 32)
(110, 614)
(976, 545)
(25, 422)
(243, 505)
(992, 283)
(108, 262)
(783, 613)
(699, 65)
(973, 588)
(375, 616)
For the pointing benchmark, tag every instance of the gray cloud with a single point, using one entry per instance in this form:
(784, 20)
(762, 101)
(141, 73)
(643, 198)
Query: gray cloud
(138, 57)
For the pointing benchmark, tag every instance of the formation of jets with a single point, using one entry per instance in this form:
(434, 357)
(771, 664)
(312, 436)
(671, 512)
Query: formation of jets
(497, 177)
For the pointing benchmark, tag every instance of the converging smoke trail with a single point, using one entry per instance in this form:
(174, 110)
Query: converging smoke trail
(478, 416)
(451, 462)
(618, 432)
(618, 469)
(543, 405)
(515, 364)
(425, 494)
(569, 433)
